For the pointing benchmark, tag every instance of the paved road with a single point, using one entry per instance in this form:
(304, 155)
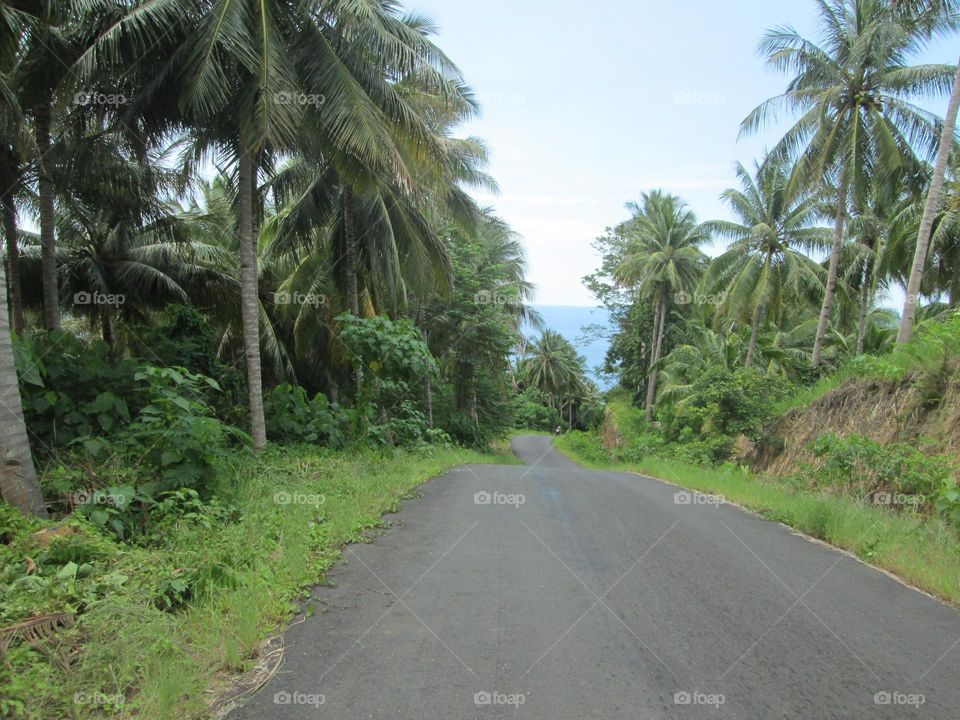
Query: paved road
(599, 596)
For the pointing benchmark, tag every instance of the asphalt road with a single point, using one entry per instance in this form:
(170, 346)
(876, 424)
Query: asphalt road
(580, 594)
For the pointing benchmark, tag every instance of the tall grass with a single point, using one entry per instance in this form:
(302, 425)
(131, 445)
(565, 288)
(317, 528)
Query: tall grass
(159, 664)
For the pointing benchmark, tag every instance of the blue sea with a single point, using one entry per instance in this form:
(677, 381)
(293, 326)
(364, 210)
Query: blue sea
(569, 321)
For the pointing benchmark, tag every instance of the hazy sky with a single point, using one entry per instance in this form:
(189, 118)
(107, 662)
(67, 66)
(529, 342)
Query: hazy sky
(588, 104)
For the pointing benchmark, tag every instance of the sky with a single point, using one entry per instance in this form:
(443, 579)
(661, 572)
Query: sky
(587, 105)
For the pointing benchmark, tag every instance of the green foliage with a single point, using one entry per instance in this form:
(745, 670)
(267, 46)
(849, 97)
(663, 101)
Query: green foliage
(389, 349)
(198, 596)
(726, 403)
(585, 446)
(292, 417)
(902, 475)
(177, 432)
(183, 337)
(531, 412)
(71, 391)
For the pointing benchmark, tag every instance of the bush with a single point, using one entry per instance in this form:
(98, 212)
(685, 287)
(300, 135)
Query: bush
(174, 443)
(530, 412)
(292, 417)
(71, 391)
(727, 403)
(866, 468)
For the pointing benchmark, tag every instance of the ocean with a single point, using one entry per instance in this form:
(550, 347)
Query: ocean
(569, 321)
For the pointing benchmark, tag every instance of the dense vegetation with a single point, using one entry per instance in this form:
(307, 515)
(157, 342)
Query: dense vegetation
(724, 360)
(709, 345)
(259, 306)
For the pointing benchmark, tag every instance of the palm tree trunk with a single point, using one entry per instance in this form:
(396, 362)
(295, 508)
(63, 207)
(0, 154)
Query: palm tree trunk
(350, 266)
(18, 477)
(9, 211)
(249, 300)
(929, 211)
(831, 272)
(755, 331)
(653, 340)
(654, 335)
(658, 346)
(864, 306)
(106, 326)
(428, 399)
(350, 253)
(48, 238)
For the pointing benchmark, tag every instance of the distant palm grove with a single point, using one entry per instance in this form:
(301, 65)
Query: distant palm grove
(858, 198)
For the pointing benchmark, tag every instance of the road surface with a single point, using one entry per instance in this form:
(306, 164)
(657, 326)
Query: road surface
(548, 591)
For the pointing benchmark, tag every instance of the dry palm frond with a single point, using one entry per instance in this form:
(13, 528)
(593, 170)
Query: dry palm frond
(40, 632)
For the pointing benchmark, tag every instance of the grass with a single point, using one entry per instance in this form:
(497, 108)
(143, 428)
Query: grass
(923, 552)
(807, 395)
(235, 582)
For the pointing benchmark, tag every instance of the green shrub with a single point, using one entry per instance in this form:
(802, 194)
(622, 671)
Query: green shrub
(292, 417)
(897, 474)
(531, 412)
(724, 402)
(71, 391)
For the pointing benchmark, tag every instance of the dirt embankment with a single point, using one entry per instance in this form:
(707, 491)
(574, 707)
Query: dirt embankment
(923, 409)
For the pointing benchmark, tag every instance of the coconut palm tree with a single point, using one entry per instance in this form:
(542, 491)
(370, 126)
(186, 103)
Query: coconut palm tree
(18, 477)
(663, 262)
(929, 17)
(256, 79)
(552, 366)
(763, 267)
(852, 92)
(48, 47)
(942, 259)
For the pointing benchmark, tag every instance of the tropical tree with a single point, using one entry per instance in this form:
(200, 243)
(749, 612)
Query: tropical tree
(929, 17)
(473, 332)
(552, 366)
(257, 79)
(663, 263)
(764, 268)
(856, 120)
(18, 477)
